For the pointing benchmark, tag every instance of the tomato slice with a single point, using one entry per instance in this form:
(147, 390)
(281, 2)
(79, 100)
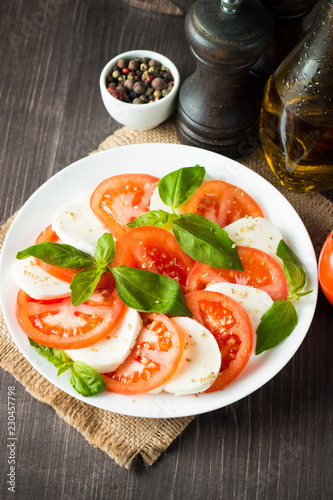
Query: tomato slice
(260, 271)
(56, 323)
(325, 268)
(62, 273)
(231, 327)
(153, 360)
(121, 199)
(154, 249)
(222, 203)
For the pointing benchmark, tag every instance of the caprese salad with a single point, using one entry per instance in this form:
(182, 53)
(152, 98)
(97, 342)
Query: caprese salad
(150, 284)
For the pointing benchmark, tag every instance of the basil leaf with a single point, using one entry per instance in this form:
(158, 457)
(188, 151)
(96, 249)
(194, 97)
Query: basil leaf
(276, 324)
(58, 254)
(206, 242)
(105, 250)
(292, 269)
(83, 284)
(157, 218)
(178, 186)
(56, 356)
(150, 292)
(85, 380)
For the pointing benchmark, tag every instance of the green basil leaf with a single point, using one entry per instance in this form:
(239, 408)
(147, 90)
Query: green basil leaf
(85, 380)
(178, 186)
(206, 242)
(64, 368)
(56, 356)
(83, 284)
(157, 218)
(149, 292)
(105, 250)
(276, 324)
(292, 268)
(58, 254)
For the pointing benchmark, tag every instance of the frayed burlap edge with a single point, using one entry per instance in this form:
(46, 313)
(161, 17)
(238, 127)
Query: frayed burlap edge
(124, 438)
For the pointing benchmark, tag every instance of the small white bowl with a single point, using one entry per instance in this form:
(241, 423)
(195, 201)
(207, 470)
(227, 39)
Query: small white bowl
(140, 116)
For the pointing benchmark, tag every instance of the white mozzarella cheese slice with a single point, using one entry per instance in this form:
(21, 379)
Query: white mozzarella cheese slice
(36, 282)
(256, 233)
(254, 301)
(200, 363)
(107, 355)
(76, 225)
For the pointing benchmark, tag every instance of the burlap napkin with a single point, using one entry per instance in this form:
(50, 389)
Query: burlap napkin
(122, 437)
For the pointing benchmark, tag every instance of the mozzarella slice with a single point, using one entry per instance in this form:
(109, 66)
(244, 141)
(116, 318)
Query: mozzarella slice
(36, 282)
(107, 355)
(200, 363)
(254, 301)
(76, 225)
(256, 233)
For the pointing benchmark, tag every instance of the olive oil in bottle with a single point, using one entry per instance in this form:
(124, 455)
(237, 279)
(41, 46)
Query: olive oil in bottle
(296, 125)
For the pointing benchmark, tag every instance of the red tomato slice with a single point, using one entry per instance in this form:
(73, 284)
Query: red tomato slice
(153, 360)
(232, 329)
(153, 249)
(62, 273)
(260, 271)
(222, 203)
(325, 268)
(121, 199)
(56, 323)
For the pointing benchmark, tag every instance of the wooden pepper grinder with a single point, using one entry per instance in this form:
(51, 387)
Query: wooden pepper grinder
(219, 105)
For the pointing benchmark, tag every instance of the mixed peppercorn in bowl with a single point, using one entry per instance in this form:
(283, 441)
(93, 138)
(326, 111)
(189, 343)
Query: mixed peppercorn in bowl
(140, 77)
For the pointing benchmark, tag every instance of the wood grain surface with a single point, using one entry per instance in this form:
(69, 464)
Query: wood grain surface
(274, 444)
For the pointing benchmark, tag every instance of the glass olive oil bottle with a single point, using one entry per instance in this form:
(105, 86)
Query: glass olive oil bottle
(296, 125)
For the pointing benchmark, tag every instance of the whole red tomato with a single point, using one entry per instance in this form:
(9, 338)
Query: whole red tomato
(326, 268)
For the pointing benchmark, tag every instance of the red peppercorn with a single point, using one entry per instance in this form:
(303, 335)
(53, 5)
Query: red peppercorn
(149, 79)
(125, 71)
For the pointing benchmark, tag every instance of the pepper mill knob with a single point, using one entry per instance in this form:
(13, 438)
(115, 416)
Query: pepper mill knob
(219, 105)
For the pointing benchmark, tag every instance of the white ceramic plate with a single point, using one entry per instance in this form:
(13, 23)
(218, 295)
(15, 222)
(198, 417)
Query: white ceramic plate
(159, 159)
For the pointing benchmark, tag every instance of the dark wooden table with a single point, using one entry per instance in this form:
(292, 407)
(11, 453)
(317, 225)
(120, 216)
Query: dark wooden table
(274, 444)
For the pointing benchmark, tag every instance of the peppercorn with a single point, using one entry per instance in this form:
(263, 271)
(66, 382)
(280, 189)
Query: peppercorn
(133, 65)
(157, 93)
(122, 63)
(137, 101)
(158, 84)
(128, 84)
(121, 87)
(149, 91)
(153, 62)
(139, 88)
(116, 74)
